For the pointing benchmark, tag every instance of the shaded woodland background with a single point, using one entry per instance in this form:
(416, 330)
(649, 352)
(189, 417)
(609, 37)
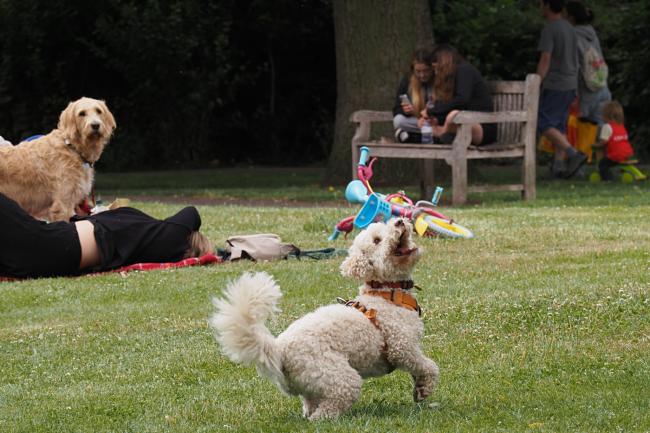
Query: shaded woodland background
(199, 83)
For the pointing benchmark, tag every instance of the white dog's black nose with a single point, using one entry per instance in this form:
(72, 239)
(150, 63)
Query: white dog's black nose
(399, 223)
(95, 126)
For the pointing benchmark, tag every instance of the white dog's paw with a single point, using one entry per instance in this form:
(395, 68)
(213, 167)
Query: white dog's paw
(422, 388)
(420, 393)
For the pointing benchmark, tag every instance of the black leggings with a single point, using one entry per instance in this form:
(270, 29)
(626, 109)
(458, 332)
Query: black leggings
(604, 168)
(126, 235)
(32, 248)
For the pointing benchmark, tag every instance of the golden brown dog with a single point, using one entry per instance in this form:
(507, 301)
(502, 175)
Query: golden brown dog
(49, 176)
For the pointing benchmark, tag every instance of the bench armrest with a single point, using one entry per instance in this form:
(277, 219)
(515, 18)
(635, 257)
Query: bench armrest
(363, 119)
(470, 117)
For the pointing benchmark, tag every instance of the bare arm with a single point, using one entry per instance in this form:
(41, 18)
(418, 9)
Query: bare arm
(543, 64)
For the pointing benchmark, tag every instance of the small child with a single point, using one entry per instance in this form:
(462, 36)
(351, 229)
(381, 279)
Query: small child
(613, 138)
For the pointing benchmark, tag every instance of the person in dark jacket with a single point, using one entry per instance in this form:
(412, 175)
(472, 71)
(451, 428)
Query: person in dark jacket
(458, 85)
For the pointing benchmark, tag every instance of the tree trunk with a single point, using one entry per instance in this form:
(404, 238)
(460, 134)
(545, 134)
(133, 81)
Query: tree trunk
(375, 40)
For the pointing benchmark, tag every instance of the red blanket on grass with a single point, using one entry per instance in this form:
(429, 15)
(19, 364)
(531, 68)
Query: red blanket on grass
(192, 261)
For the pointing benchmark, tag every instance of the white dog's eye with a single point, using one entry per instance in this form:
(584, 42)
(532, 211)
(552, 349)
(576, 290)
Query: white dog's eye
(82, 113)
(376, 240)
(98, 111)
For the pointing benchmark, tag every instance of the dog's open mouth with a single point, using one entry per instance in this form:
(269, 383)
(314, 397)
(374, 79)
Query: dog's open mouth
(402, 248)
(404, 251)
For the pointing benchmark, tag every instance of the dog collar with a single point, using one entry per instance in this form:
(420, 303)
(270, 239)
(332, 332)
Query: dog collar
(404, 285)
(397, 297)
(85, 161)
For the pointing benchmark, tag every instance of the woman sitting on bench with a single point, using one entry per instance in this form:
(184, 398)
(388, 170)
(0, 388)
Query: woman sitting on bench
(458, 86)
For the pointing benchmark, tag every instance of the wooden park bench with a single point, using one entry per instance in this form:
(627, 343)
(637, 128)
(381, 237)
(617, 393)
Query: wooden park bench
(515, 112)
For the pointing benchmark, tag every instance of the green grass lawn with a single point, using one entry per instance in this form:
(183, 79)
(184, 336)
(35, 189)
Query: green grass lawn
(539, 324)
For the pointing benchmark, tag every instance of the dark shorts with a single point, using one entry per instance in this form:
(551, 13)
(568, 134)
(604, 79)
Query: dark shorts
(489, 133)
(554, 109)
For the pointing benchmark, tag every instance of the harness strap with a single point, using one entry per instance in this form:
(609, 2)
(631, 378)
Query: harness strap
(370, 313)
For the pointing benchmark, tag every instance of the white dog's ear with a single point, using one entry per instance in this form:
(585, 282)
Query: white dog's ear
(109, 116)
(67, 123)
(356, 265)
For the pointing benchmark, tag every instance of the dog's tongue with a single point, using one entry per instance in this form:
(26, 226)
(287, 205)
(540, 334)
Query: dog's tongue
(404, 251)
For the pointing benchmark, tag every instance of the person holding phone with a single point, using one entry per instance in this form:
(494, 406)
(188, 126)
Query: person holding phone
(413, 93)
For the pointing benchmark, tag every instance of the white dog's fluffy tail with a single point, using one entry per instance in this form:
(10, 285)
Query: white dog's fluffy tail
(239, 323)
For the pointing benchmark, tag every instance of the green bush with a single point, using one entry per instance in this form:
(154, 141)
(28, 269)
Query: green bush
(196, 83)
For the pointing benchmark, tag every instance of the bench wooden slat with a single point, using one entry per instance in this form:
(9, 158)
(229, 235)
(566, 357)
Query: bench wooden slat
(371, 116)
(482, 117)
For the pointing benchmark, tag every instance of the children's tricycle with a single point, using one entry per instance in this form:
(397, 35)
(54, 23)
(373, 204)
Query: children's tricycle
(629, 172)
(378, 207)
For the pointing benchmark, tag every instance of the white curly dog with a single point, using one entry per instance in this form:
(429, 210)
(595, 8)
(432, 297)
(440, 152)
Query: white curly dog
(324, 355)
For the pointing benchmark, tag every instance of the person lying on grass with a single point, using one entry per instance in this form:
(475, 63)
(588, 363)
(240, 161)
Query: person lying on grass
(30, 248)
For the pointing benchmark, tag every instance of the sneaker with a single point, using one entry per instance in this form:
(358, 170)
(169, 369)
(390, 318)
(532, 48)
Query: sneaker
(558, 169)
(558, 174)
(574, 163)
(401, 136)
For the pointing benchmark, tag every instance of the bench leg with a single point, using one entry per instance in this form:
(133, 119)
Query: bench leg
(528, 176)
(459, 182)
(459, 164)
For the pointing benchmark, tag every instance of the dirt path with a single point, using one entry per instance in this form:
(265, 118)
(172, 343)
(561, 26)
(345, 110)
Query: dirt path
(228, 201)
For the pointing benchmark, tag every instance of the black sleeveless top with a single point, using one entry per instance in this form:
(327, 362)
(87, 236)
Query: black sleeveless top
(33, 248)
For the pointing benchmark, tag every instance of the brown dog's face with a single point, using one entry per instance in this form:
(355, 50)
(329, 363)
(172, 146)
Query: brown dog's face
(88, 124)
(382, 252)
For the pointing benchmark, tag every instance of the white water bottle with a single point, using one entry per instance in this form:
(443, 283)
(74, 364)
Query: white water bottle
(427, 133)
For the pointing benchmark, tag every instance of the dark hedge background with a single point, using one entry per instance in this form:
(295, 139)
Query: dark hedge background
(196, 83)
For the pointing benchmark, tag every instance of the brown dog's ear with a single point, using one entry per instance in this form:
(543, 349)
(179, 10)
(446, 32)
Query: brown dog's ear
(110, 120)
(356, 265)
(67, 123)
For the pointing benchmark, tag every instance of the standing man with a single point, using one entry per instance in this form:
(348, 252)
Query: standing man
(558, 67)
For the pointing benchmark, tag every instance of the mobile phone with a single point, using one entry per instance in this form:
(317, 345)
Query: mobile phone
(405, 99)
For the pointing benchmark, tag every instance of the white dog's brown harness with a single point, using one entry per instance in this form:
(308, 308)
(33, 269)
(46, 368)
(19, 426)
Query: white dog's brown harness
(396, 296)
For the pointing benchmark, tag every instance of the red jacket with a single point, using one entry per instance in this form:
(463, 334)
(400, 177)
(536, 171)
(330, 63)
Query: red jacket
(618, 147)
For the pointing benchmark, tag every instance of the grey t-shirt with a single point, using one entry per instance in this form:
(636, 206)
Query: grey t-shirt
(559, 38)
